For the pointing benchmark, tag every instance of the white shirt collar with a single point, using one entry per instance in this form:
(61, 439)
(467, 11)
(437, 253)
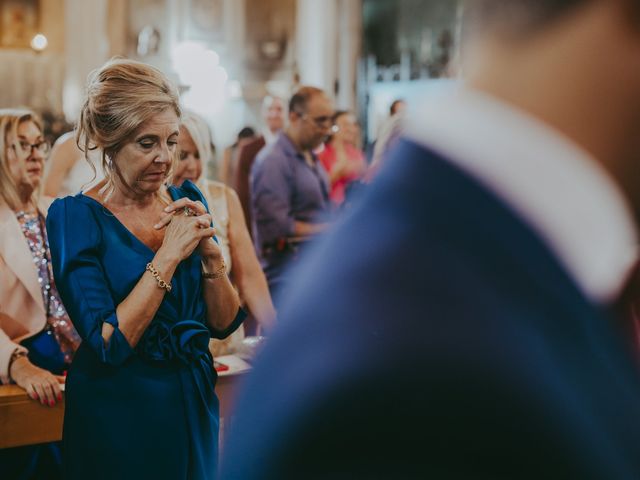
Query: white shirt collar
(269, 136)
(562, 192)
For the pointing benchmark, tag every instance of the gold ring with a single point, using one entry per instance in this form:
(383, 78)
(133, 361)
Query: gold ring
(188, 212)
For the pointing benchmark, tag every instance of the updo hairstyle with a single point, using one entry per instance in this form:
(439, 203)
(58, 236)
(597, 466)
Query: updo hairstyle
(121, 96)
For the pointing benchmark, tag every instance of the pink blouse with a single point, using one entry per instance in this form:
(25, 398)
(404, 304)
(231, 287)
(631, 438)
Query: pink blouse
(356, 160)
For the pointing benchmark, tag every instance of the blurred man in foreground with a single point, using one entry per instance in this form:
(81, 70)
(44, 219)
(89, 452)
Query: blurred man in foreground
(456, 324)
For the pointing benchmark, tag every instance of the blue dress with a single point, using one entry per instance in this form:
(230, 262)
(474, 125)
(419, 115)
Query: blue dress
(146, 412)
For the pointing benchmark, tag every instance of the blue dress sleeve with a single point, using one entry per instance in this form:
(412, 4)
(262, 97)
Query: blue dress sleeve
(75, 242)
(222, 334)
(188, 189)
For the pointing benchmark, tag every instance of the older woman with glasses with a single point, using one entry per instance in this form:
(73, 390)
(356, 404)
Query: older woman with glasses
(37, 340)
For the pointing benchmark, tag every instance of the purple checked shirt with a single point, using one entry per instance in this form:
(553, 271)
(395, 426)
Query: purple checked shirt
(284, 189)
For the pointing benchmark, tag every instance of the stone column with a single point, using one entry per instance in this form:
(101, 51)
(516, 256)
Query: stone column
(116, 27)
(316, 43)
(348, 50)
(86, 48)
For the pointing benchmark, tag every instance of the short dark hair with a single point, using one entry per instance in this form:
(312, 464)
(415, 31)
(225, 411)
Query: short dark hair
(519, 15)
(334, 118)
(300, 100)
(246, 132)
(394, 105)
(338, 113)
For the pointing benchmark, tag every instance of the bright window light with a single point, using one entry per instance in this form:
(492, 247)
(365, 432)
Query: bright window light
(199, 69)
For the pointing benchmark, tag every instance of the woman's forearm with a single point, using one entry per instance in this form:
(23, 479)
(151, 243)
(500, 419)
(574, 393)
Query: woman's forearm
(220, 297)
(253, 287)
(255, 291)
(138, 309)
(247, 273)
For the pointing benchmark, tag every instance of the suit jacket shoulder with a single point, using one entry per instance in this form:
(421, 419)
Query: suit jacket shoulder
(434, 312)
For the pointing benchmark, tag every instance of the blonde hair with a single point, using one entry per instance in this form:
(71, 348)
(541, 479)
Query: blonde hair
(10, 120)
(121, 96)
(197, 127)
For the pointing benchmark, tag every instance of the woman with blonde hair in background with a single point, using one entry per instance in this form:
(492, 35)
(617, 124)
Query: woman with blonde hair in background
(231, 230)
(145, 284)
(37, 340)
(69, 171)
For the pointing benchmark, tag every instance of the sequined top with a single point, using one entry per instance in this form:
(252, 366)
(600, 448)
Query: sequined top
(32, 225)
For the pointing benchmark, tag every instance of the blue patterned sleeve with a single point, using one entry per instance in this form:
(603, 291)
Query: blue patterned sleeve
(75, 242)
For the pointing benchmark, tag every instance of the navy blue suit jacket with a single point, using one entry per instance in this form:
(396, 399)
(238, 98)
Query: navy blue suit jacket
(434, 333)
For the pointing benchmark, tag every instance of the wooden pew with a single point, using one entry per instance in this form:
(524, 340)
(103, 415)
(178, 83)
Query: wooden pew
(25, 422)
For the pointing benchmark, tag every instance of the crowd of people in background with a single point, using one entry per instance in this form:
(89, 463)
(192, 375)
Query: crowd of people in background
(474, 286)
(37, 339)
(336, 149)
(275, 191)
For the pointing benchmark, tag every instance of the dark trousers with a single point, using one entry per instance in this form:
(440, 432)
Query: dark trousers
(33, 462)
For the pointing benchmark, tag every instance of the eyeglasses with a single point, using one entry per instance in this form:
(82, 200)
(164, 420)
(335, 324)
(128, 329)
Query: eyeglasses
(41, 147)
(324, 121)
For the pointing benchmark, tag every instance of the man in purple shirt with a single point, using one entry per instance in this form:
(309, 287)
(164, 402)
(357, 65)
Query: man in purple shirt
(289, 186)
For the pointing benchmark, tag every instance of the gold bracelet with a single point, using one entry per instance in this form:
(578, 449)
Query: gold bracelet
(156, 275)
(220, 272)
(17, 353)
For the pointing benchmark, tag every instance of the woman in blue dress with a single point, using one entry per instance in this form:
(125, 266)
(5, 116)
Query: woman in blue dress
(144, 283)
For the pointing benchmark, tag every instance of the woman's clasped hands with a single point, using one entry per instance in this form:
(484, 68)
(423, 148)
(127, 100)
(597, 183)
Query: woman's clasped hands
(188, 227)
